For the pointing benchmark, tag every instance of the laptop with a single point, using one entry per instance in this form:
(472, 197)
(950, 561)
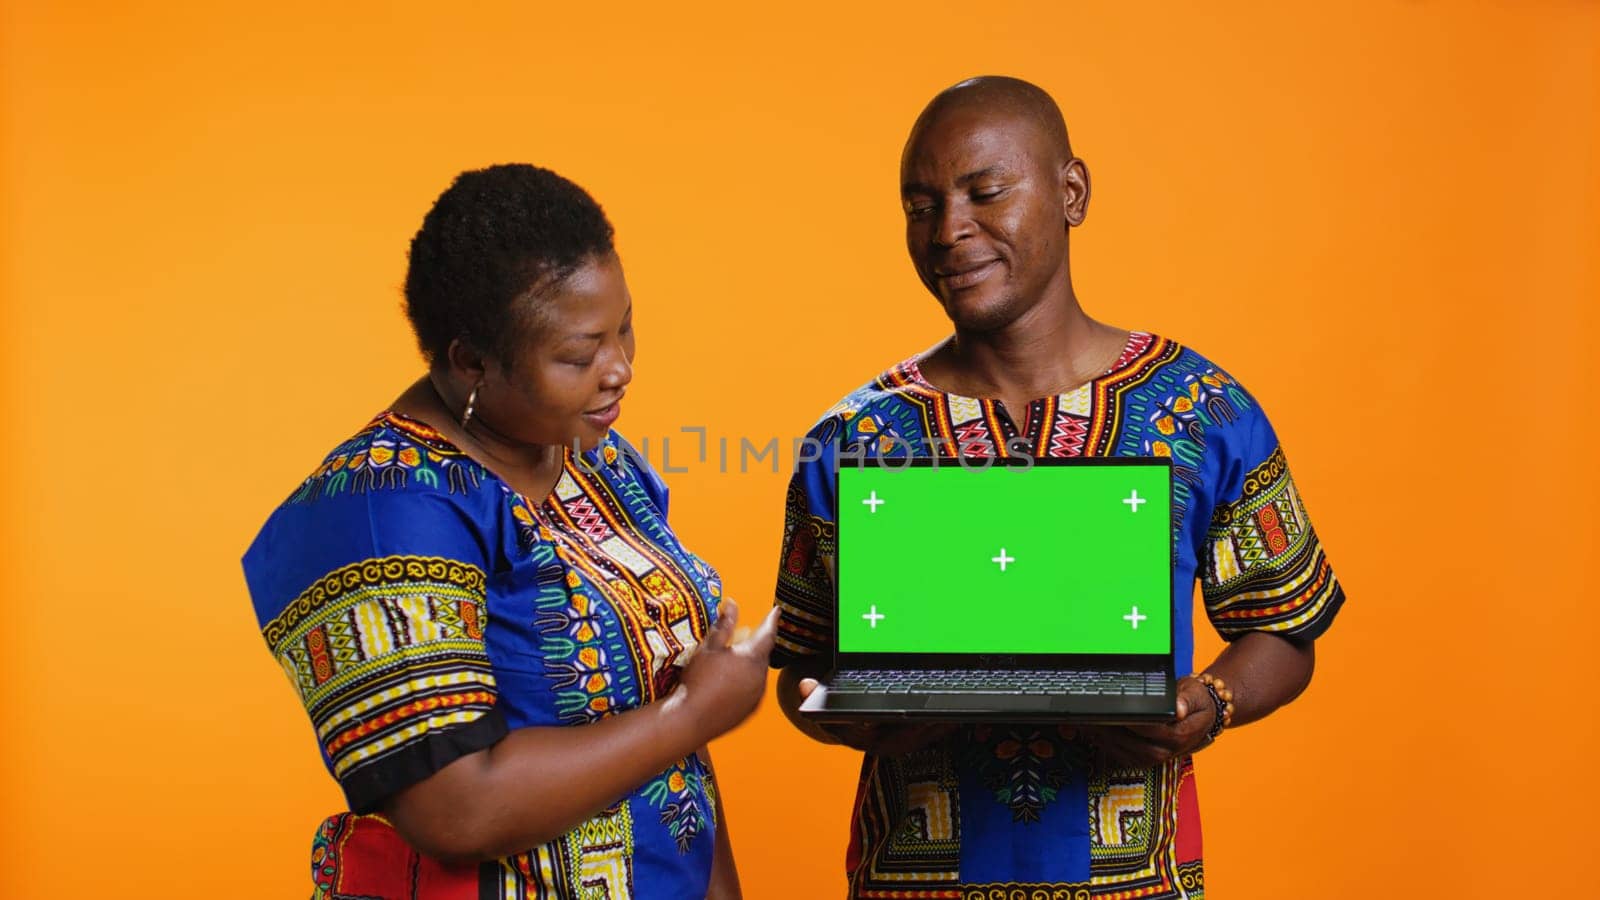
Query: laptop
(1003, 590)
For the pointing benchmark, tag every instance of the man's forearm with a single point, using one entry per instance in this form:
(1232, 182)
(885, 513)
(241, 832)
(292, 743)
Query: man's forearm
(1264, 672)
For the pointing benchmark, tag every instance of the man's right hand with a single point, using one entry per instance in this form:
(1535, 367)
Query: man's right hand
(881, 739)
(797, 682)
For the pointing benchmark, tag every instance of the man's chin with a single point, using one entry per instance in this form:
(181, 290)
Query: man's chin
(978, 315)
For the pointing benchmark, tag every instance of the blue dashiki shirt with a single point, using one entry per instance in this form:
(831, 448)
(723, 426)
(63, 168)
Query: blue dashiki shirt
(1026, 810)
(422, 609)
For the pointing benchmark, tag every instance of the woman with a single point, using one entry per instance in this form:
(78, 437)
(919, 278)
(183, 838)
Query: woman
(512, 664)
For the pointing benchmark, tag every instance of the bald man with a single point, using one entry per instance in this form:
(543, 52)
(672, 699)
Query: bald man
(991, 190)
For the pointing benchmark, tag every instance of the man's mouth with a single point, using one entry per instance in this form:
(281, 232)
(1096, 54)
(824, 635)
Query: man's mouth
(960, 277)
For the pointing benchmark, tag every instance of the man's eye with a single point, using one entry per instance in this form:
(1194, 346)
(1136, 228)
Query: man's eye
(988, 193)
(917, 210)
(580, 363)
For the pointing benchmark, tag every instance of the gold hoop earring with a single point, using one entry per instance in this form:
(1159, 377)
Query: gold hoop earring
(472, 401)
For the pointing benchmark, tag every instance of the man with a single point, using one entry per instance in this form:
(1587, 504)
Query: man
(990, 189)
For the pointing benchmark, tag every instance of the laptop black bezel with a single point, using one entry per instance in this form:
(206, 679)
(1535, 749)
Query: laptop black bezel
(1122, 662)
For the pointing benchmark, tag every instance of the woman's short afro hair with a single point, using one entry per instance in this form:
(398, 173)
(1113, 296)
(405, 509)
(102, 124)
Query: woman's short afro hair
(495, 235)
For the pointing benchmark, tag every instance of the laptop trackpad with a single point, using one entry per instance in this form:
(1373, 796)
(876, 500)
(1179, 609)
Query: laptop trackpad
(989, 701)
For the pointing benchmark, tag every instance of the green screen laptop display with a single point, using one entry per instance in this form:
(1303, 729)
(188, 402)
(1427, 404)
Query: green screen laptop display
(1049, 559)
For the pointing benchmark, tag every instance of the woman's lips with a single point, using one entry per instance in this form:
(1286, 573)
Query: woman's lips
(605, 415)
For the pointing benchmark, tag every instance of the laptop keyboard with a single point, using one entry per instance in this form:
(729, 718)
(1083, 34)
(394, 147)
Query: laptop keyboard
(980, 681)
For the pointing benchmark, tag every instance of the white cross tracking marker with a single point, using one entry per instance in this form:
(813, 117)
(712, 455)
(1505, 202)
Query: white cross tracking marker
(872, 617)
(1134, 501)
(873, 502)
(1134, 618)
(1003, 559)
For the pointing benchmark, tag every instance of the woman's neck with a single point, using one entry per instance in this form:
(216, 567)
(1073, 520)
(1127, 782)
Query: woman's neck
(531, 469)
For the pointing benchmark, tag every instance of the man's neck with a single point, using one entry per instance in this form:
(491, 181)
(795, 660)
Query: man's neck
(1051, 349)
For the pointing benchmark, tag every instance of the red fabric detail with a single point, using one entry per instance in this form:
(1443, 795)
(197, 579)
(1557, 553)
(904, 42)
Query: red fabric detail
(372, 860)
(803, 550)
(1272, 529)
(1070, 436)
(414, 708)
(1186, 843)
(321, 662)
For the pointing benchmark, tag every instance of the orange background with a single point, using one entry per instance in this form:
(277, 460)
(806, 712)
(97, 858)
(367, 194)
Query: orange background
(1384, 219)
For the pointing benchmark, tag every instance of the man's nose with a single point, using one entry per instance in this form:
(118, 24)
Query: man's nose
(955, 223)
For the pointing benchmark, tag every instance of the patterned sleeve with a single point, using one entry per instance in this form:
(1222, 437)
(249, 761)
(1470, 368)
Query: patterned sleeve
(384, 641)
(805, 567)
(1262, 567)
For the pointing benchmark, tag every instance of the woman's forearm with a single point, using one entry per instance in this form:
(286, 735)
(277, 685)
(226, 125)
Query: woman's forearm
(538, 783)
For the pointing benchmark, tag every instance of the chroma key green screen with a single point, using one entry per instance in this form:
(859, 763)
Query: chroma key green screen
(1071, 558)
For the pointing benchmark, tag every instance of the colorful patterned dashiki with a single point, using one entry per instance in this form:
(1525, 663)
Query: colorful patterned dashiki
(422, 608)
(1003, 811)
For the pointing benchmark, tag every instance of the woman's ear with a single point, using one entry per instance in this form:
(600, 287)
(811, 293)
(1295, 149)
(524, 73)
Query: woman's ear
(465, 363)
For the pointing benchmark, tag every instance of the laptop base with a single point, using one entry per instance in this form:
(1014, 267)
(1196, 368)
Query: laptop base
(828, 707)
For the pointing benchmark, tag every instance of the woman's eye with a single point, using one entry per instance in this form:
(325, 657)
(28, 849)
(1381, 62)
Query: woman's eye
(580, 363)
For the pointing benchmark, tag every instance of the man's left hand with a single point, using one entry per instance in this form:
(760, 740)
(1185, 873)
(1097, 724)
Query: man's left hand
(1143, 746)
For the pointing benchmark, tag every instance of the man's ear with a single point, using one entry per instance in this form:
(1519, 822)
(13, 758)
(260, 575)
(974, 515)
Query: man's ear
(1074, 191)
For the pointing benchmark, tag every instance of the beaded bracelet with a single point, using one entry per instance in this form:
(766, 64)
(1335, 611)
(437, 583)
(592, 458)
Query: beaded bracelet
(1221, 700)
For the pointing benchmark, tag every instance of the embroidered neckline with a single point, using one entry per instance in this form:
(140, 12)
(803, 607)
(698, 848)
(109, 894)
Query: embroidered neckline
(1138, 342)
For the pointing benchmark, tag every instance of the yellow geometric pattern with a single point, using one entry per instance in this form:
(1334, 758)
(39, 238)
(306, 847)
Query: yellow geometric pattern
(601, 855)
(930, 805)
(1118, 814)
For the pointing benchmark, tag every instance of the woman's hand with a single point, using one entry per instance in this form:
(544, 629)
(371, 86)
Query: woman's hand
(724, 681)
